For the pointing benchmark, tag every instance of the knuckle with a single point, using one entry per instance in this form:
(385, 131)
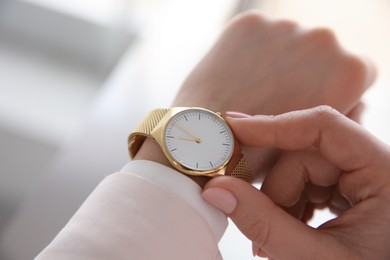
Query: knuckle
(323, 36)
(251, 18)
(325, 112)
(357, 70)
(285, 26)
(324, 116)
(249, 21)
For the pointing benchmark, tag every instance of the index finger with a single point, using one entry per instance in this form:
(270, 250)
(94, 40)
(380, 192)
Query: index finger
(341, 141)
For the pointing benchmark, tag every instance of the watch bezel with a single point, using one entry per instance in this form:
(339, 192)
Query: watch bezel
(159, 135)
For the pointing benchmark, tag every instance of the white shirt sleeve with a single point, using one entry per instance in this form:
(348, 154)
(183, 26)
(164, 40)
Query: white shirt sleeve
(184, 188)
(146, 211)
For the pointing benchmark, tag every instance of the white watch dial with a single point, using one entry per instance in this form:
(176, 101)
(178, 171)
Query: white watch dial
(199, 140)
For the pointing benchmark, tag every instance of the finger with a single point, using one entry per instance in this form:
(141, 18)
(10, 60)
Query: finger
(298, 209)
(286, 181)
(338, 139)
(270, 228)
(318, 194)
(338, 203)
(313, 197)
(341, 141)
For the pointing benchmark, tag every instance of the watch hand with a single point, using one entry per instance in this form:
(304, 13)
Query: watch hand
(197, 140)
(186, 131)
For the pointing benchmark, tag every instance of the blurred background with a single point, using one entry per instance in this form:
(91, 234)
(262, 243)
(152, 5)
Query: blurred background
(77, 75)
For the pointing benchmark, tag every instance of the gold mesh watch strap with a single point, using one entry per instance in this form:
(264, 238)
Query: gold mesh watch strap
(242, 171)
(144, 129)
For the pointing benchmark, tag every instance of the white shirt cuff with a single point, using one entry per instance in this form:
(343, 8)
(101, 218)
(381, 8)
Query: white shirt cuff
(183, 187)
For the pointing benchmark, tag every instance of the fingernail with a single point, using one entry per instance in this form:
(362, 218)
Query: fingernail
(232, 114)
(255, 250)
(220, 198)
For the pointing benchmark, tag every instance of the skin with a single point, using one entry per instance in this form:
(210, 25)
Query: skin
(361, 230)
(264, 66)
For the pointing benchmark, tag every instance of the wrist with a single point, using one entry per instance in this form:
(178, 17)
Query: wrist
(151, 151)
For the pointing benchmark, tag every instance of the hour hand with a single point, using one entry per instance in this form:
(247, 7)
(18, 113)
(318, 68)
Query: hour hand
(196, 139)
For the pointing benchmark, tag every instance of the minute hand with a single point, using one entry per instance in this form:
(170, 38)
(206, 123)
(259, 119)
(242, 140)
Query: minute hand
(195, 138)
(185, 130)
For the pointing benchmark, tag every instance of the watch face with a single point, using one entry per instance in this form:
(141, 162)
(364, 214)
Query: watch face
(199, 140)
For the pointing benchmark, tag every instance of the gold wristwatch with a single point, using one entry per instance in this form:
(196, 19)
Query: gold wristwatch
(196, 141)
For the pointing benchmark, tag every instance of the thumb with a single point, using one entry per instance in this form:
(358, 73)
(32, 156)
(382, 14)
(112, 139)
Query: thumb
(270, 228)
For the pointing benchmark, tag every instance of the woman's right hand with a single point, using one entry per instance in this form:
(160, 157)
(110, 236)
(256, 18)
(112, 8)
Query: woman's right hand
(359, 188)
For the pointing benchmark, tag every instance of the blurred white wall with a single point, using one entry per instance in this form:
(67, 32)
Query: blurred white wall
(52, 63)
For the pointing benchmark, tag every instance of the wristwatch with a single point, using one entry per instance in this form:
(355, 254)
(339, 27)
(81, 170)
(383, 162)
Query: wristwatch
(196, 141)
